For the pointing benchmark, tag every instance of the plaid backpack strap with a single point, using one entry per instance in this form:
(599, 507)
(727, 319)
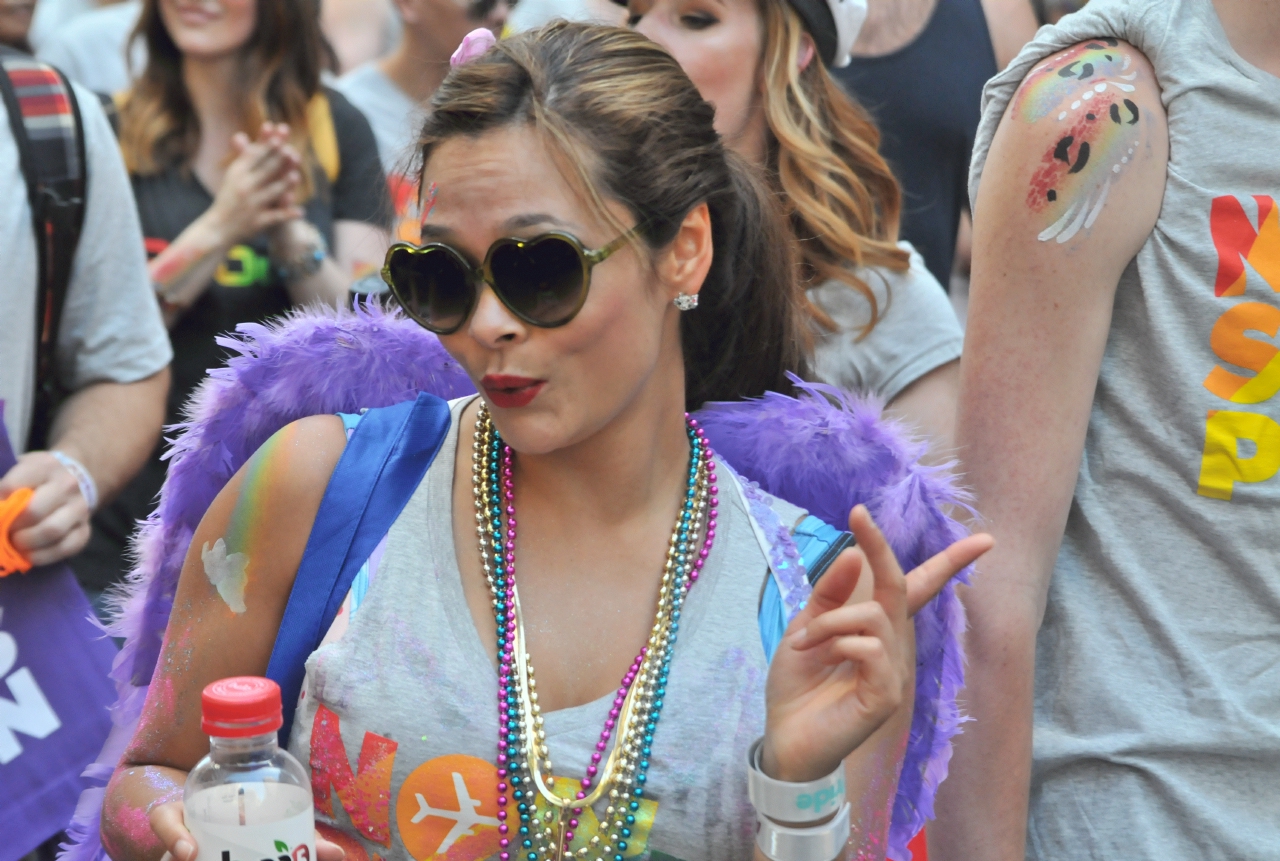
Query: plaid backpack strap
(47, 129)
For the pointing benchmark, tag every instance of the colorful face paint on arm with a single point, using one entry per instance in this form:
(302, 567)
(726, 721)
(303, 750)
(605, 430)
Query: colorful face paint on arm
(1085, 93)
(173, 262)
(226, 562)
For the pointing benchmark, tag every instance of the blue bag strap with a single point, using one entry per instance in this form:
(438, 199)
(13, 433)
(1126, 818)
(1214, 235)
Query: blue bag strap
(383, 464)
(818, 544)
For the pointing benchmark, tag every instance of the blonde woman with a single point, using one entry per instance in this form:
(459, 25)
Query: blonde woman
(879, 322)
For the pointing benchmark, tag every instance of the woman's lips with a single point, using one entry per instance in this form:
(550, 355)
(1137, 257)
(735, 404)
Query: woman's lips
(507, 392)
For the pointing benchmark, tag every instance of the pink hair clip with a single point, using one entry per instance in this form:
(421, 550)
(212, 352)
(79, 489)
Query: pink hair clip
(474, 45)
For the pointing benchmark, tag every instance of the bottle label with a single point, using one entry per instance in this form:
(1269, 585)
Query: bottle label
(269, 834)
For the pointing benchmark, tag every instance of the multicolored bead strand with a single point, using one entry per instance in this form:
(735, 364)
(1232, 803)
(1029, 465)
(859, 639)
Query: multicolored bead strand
(522, 752)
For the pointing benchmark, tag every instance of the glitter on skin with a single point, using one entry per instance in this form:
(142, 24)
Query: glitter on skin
(430, 203)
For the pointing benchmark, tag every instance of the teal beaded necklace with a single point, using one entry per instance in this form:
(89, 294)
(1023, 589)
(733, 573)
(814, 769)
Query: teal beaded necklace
(522, 752)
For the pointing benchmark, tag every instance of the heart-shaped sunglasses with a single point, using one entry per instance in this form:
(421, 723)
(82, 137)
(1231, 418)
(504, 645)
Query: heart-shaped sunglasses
(542, 280)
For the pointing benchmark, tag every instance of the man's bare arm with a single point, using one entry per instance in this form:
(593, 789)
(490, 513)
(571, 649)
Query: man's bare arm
(111, 429)
(1072, 189)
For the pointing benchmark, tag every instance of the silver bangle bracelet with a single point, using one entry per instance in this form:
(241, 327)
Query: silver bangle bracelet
(814, 843)
(811, 801)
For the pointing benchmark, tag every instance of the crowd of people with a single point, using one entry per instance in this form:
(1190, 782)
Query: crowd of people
(992, 584)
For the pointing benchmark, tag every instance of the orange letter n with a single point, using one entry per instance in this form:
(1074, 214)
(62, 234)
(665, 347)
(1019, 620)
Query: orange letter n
(365, 795)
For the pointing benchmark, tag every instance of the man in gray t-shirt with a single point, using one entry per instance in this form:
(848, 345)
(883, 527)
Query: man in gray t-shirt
(392, 92)
(1120, 423)
(112, 352)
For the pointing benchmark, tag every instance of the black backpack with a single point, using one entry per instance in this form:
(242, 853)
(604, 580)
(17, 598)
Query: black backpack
(47, 129)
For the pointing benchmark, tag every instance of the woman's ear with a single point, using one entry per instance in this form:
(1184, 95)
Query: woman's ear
(687, 260)
(807, 49)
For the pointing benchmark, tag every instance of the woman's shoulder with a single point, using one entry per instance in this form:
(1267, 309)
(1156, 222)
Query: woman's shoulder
(915, 331)
(293, 467)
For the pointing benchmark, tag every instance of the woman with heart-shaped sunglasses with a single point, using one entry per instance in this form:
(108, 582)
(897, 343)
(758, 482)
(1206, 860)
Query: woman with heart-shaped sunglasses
(600, 266)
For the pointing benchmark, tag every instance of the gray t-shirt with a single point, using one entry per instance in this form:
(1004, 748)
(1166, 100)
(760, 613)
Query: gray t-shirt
(394, 116)
(917, 330)
(395, 119)
(1157, 708)
(111, 327)
(90, 49)
(403, 689)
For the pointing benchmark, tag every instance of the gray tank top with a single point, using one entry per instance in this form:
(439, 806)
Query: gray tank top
(397, 718)
(1157, 709)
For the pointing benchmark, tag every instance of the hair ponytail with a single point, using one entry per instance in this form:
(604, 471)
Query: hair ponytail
(634, 129)
(735, 342)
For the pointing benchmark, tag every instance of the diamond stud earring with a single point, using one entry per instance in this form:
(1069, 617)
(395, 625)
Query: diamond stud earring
(686, 301)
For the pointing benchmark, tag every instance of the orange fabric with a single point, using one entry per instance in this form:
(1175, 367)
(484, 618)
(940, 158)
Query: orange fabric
(10, 507)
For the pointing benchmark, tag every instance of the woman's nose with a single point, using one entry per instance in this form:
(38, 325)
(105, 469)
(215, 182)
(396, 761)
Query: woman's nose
(492, 323)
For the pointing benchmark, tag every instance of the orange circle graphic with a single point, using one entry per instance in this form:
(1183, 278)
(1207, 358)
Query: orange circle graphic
(447, 809)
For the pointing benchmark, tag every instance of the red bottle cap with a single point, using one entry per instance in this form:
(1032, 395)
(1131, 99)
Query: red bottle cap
(240, 707)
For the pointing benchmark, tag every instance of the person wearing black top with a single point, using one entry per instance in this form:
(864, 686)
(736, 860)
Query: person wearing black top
(919, 69)
(258, 191)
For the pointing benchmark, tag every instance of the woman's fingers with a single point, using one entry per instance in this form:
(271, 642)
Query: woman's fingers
(168, 824)
(865, 619)
(837, 584)
(927, 580)
(890, 590)
(328, 851)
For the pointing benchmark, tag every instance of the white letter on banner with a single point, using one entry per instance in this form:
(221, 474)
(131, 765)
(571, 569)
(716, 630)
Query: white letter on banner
(28, 712)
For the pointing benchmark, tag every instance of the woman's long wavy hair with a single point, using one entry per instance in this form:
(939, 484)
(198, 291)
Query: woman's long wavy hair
(824, 162)
(279, 74)
(632, 128)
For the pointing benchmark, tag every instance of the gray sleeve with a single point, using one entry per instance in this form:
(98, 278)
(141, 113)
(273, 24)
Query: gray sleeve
(111, 328)
(1100, 19)
(917, 331)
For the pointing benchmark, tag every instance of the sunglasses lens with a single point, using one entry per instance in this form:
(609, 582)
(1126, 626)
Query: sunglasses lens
(542, 280)
(432, 285)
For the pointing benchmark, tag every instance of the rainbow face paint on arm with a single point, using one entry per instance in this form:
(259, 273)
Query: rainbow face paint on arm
(1085, 93)
(227, 560)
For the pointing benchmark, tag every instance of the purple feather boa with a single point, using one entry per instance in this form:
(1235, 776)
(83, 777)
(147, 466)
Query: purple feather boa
(823, 451)
(826, 451)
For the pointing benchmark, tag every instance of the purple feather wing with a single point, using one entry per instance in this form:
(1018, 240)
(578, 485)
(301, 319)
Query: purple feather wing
(822, 456)
(308, 363)
(826, 452)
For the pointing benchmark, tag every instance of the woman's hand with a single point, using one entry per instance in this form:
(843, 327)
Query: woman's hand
(257, 191)
(169, 825)
(843, 668)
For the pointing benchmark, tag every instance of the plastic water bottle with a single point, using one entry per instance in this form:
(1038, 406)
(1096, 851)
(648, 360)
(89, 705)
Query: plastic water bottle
(248, 800)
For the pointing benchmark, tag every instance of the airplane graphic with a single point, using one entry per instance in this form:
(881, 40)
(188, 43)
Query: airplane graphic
(464, 818)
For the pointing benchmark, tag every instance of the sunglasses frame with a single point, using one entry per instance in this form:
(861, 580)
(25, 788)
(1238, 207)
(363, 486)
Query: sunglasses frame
(588, 258)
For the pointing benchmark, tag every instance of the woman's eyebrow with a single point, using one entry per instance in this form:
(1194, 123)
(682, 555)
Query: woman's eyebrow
(434, 231)
(516, 222)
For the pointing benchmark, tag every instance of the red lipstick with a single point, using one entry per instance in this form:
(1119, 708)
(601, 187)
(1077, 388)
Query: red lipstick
(508, 392)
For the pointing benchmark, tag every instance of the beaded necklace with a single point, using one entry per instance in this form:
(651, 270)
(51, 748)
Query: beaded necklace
(523, 756)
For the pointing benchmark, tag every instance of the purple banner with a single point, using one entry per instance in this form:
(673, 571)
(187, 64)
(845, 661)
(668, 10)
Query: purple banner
(54, 694)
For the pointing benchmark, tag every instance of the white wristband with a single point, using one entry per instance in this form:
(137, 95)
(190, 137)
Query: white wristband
(792, 802)
(88, 487)
(815, 843)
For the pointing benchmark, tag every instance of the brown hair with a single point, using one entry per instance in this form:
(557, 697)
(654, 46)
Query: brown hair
(824, 162)
(279, 74)
(634, 129)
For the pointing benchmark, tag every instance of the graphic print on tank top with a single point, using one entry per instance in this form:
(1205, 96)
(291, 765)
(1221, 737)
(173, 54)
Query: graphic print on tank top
(397, 718)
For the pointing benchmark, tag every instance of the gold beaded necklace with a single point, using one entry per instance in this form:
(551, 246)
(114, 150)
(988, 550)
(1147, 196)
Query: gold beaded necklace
(523, 756)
